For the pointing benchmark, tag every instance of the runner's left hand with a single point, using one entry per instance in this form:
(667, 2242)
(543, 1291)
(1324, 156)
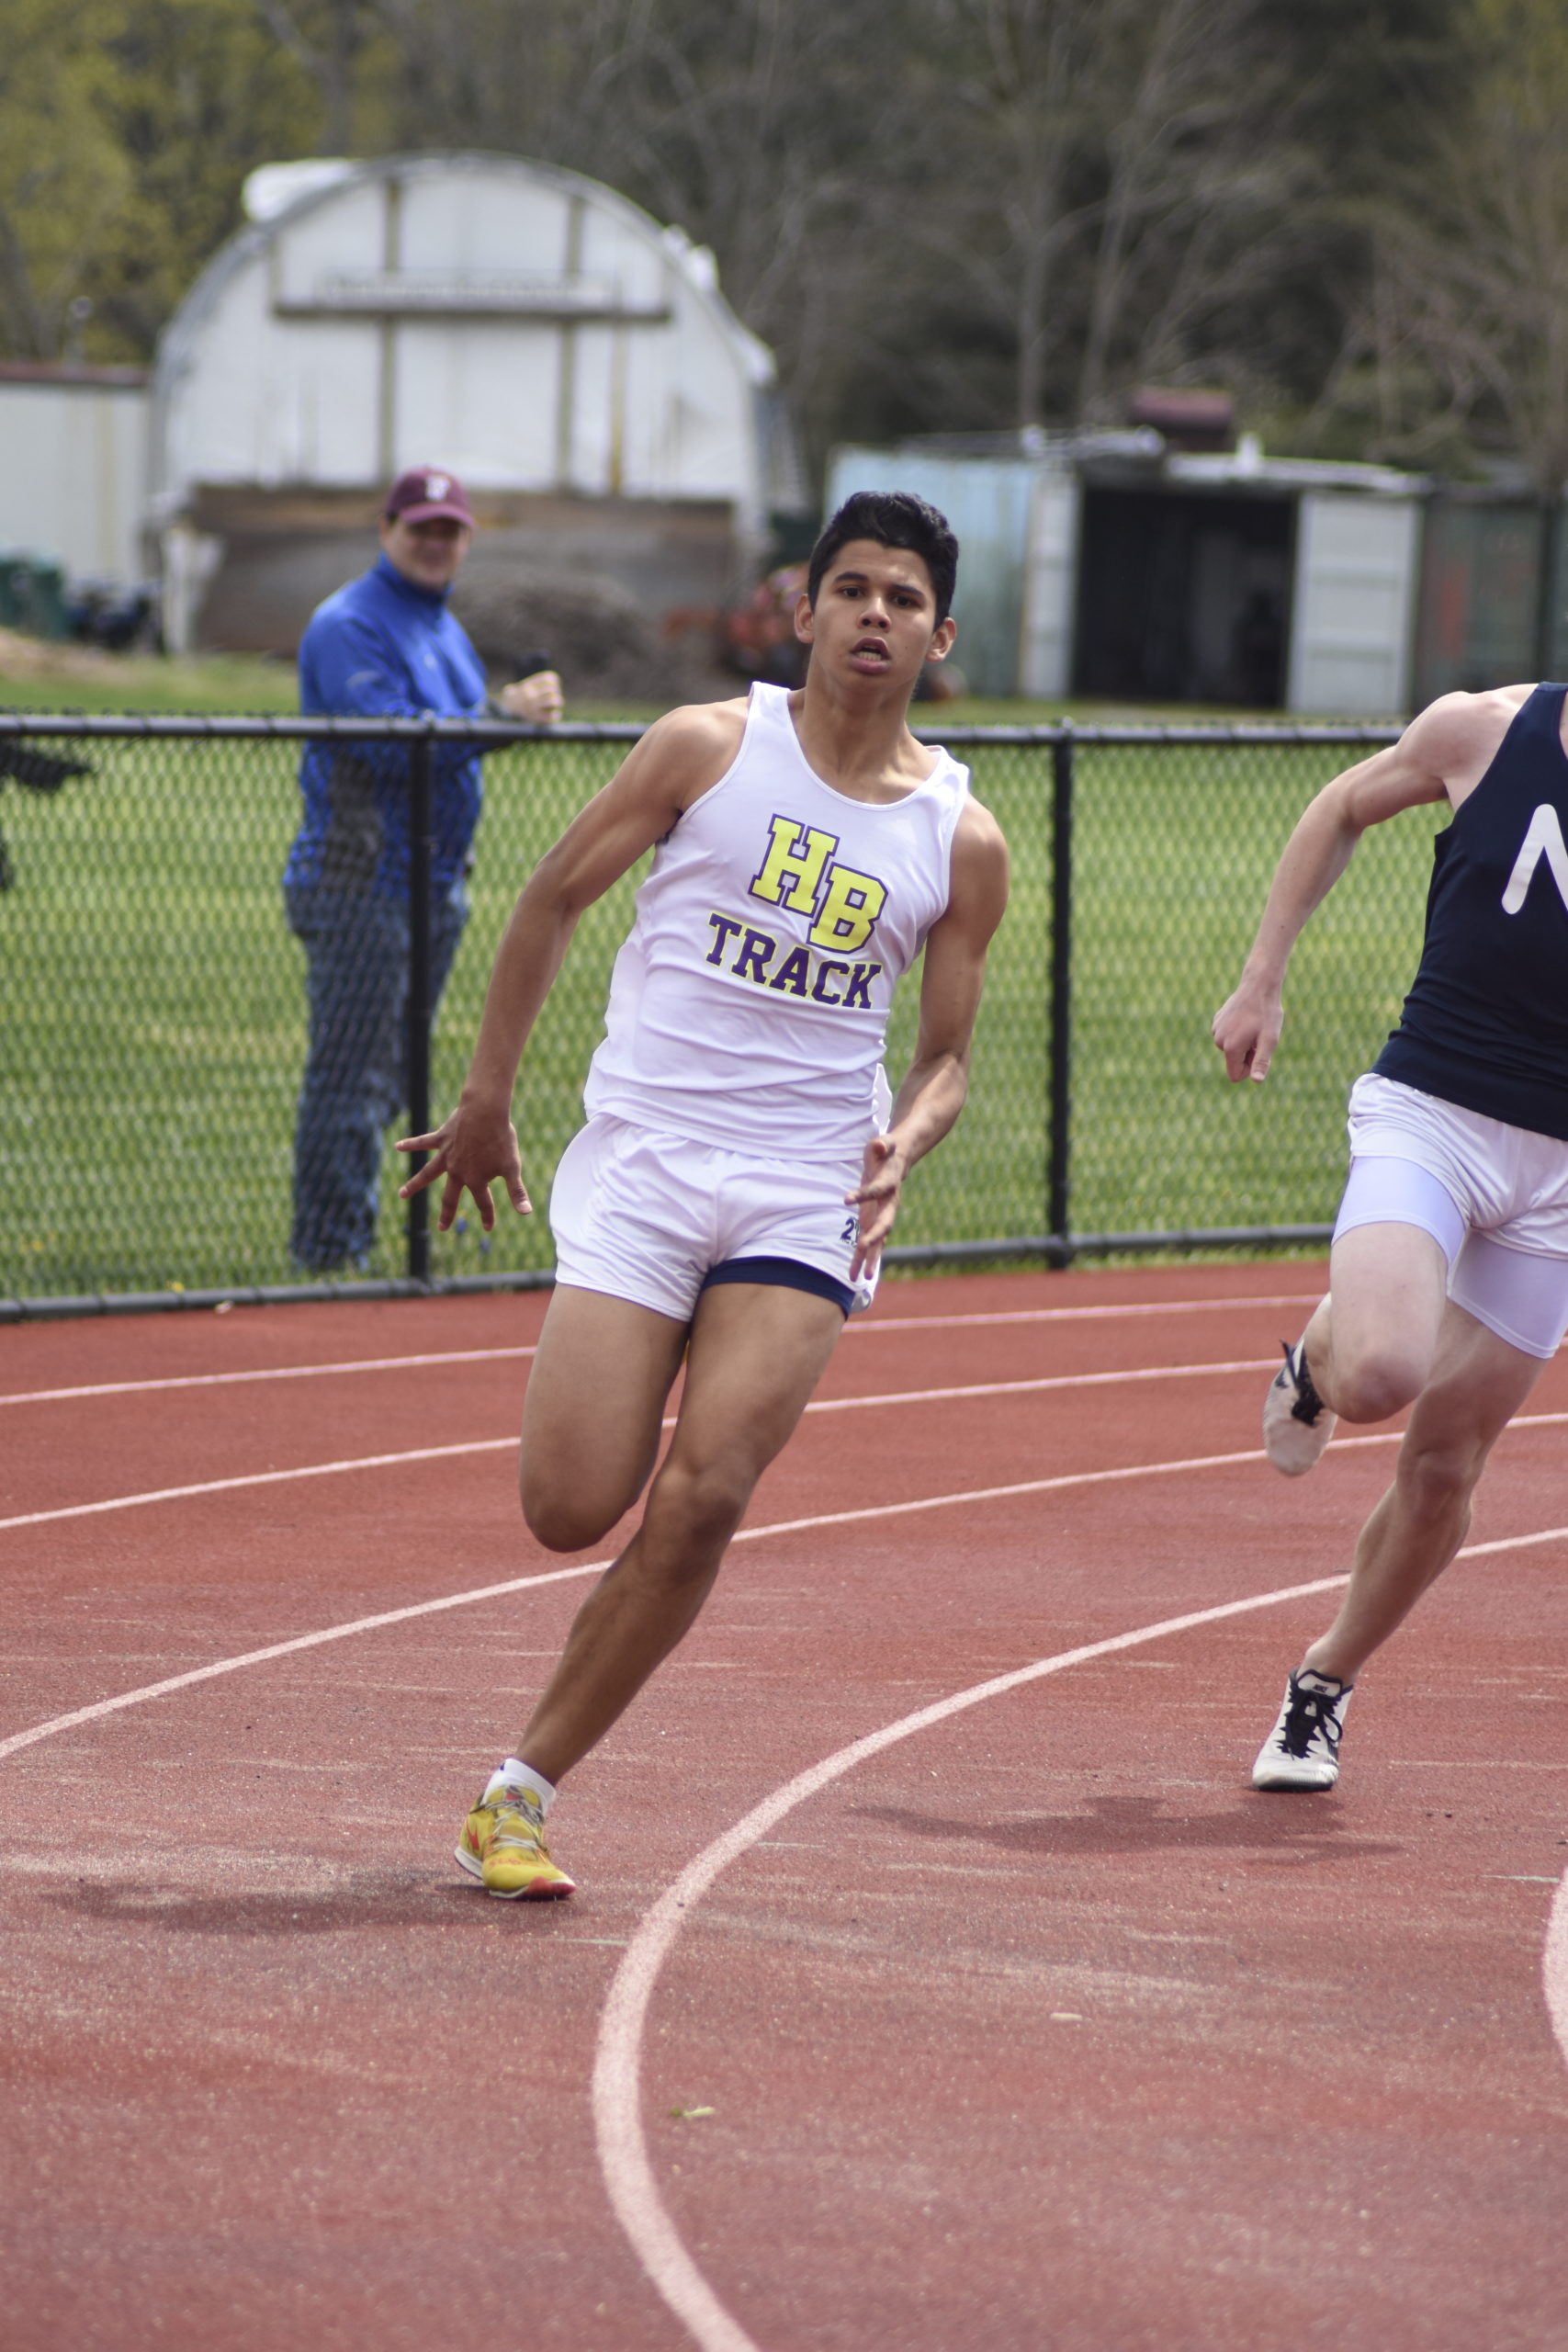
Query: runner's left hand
(881, 1179)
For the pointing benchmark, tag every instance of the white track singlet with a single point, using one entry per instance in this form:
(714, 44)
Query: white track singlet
(749, 1006)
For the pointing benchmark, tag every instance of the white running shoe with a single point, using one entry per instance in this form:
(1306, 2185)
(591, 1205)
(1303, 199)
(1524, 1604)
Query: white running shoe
(1297, 1424)
(1302, 1749)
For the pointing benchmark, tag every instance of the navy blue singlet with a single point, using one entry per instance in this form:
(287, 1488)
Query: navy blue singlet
(1486, 1024)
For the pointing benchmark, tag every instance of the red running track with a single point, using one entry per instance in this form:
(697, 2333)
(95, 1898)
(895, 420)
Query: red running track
(936, 1979)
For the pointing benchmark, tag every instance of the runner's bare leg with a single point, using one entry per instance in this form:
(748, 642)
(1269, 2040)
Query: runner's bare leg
(756, 1354)
(1478, 1384)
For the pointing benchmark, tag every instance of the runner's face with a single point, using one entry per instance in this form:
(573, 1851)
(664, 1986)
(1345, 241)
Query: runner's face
(874, 616)
(429, 553)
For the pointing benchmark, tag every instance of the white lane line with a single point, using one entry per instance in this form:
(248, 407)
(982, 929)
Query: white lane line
(616, 2102)
(1025, 1387)
(1554, 1967)
(618, 2064)
(254, 1478)
(590, 1567)
(870, 1324)
(495, 1444)
(270, 1372)
(617, 2067)
(744, 1535)
(494, 1355)
(20, 1739)
(824, 1405)
(616, 2091)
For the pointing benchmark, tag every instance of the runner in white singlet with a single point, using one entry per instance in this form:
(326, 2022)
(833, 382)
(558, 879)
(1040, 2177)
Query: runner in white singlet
(727, 1202)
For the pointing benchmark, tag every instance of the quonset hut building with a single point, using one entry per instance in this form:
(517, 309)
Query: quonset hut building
(573, 362)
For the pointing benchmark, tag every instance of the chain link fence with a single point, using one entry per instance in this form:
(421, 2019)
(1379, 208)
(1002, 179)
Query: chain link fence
(152, 1003)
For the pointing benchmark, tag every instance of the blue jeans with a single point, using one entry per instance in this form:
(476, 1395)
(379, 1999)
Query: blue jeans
(357, 963)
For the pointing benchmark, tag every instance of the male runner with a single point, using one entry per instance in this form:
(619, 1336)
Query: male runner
(1448, 1274)
(729, 1197)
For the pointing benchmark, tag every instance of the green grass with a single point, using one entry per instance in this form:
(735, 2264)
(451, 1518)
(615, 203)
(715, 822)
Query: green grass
(213, 683)
(258, 683)
(152, 1030)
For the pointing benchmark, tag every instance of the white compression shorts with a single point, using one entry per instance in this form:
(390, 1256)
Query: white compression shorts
(1494, 1198)
(654, 1218)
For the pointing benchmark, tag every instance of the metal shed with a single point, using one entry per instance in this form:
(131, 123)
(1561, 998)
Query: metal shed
(1106, 565)
(571, 359)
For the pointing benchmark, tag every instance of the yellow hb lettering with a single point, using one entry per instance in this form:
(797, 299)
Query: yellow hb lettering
(789, 862)
(850, 909)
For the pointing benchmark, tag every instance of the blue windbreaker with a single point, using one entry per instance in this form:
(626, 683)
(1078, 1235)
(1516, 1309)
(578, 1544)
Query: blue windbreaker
(382, 647)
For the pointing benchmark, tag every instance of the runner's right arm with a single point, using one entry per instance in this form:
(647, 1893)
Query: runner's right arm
(679, 758)
(1435, 750)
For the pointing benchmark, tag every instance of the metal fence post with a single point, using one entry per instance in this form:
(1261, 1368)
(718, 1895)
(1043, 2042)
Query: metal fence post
(1058, 1139)
(418, 1006)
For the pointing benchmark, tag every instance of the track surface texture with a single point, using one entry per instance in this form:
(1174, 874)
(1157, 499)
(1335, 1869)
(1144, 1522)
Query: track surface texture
(1025, 2024)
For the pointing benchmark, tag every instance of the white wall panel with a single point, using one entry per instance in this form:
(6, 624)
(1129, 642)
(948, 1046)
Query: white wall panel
(74, 483)
(344, 231)
(1049, 587)
(1353, 620)
(479, 399)
(481, 220)
(592, 432)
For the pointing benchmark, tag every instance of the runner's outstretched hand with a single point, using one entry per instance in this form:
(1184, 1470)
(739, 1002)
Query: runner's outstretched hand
(471, 1149)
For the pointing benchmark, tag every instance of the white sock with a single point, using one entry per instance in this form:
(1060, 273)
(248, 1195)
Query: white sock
(514, 1773)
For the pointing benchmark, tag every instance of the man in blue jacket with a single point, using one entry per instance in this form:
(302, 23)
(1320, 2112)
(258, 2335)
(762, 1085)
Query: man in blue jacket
(385, 646)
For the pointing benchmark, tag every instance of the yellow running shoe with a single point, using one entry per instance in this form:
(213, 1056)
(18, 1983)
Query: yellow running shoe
(503, 1844)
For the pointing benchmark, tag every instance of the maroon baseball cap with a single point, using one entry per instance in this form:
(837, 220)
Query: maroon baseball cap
(425, 491)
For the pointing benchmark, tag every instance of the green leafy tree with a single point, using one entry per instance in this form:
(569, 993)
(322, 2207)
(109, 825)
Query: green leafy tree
(63, 174)
(202, 92)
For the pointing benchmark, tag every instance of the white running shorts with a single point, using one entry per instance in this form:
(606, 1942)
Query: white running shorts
(1493, 1197)
(648, 1217)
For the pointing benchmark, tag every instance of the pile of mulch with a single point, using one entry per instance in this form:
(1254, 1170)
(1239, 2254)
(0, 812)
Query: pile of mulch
(607, 647)
(32, 657)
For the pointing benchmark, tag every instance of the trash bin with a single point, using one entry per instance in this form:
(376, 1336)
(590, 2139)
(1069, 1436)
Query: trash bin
(32, 595)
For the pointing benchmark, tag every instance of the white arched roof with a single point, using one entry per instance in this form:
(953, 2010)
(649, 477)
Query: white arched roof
(519, 323)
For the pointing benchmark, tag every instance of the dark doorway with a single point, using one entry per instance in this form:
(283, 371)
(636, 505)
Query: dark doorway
(1184, 598)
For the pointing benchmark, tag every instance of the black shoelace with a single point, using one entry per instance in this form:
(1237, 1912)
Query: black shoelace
(1308, 1404)
(1310, 1712)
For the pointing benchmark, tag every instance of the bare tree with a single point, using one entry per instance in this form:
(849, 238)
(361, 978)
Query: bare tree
(326, 38)
(1468, 313)
(1181, 167)
(1027, 76)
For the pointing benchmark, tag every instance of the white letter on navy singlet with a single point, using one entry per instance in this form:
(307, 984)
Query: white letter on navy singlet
(1542, 839)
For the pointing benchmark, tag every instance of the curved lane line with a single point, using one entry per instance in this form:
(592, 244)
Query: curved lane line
(1554, 1966)
(1022, 1387)
(589, 1568)
(488, 1355)
(592, 1567)
(616, 2090)
(22, 1739)
(29, 1738)
(617, 2105)
(268, 1372)
(255, 1478)
(824, 1405)
(495, 1444)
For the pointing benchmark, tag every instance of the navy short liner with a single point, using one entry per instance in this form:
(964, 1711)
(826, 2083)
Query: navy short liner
(782, 1273)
